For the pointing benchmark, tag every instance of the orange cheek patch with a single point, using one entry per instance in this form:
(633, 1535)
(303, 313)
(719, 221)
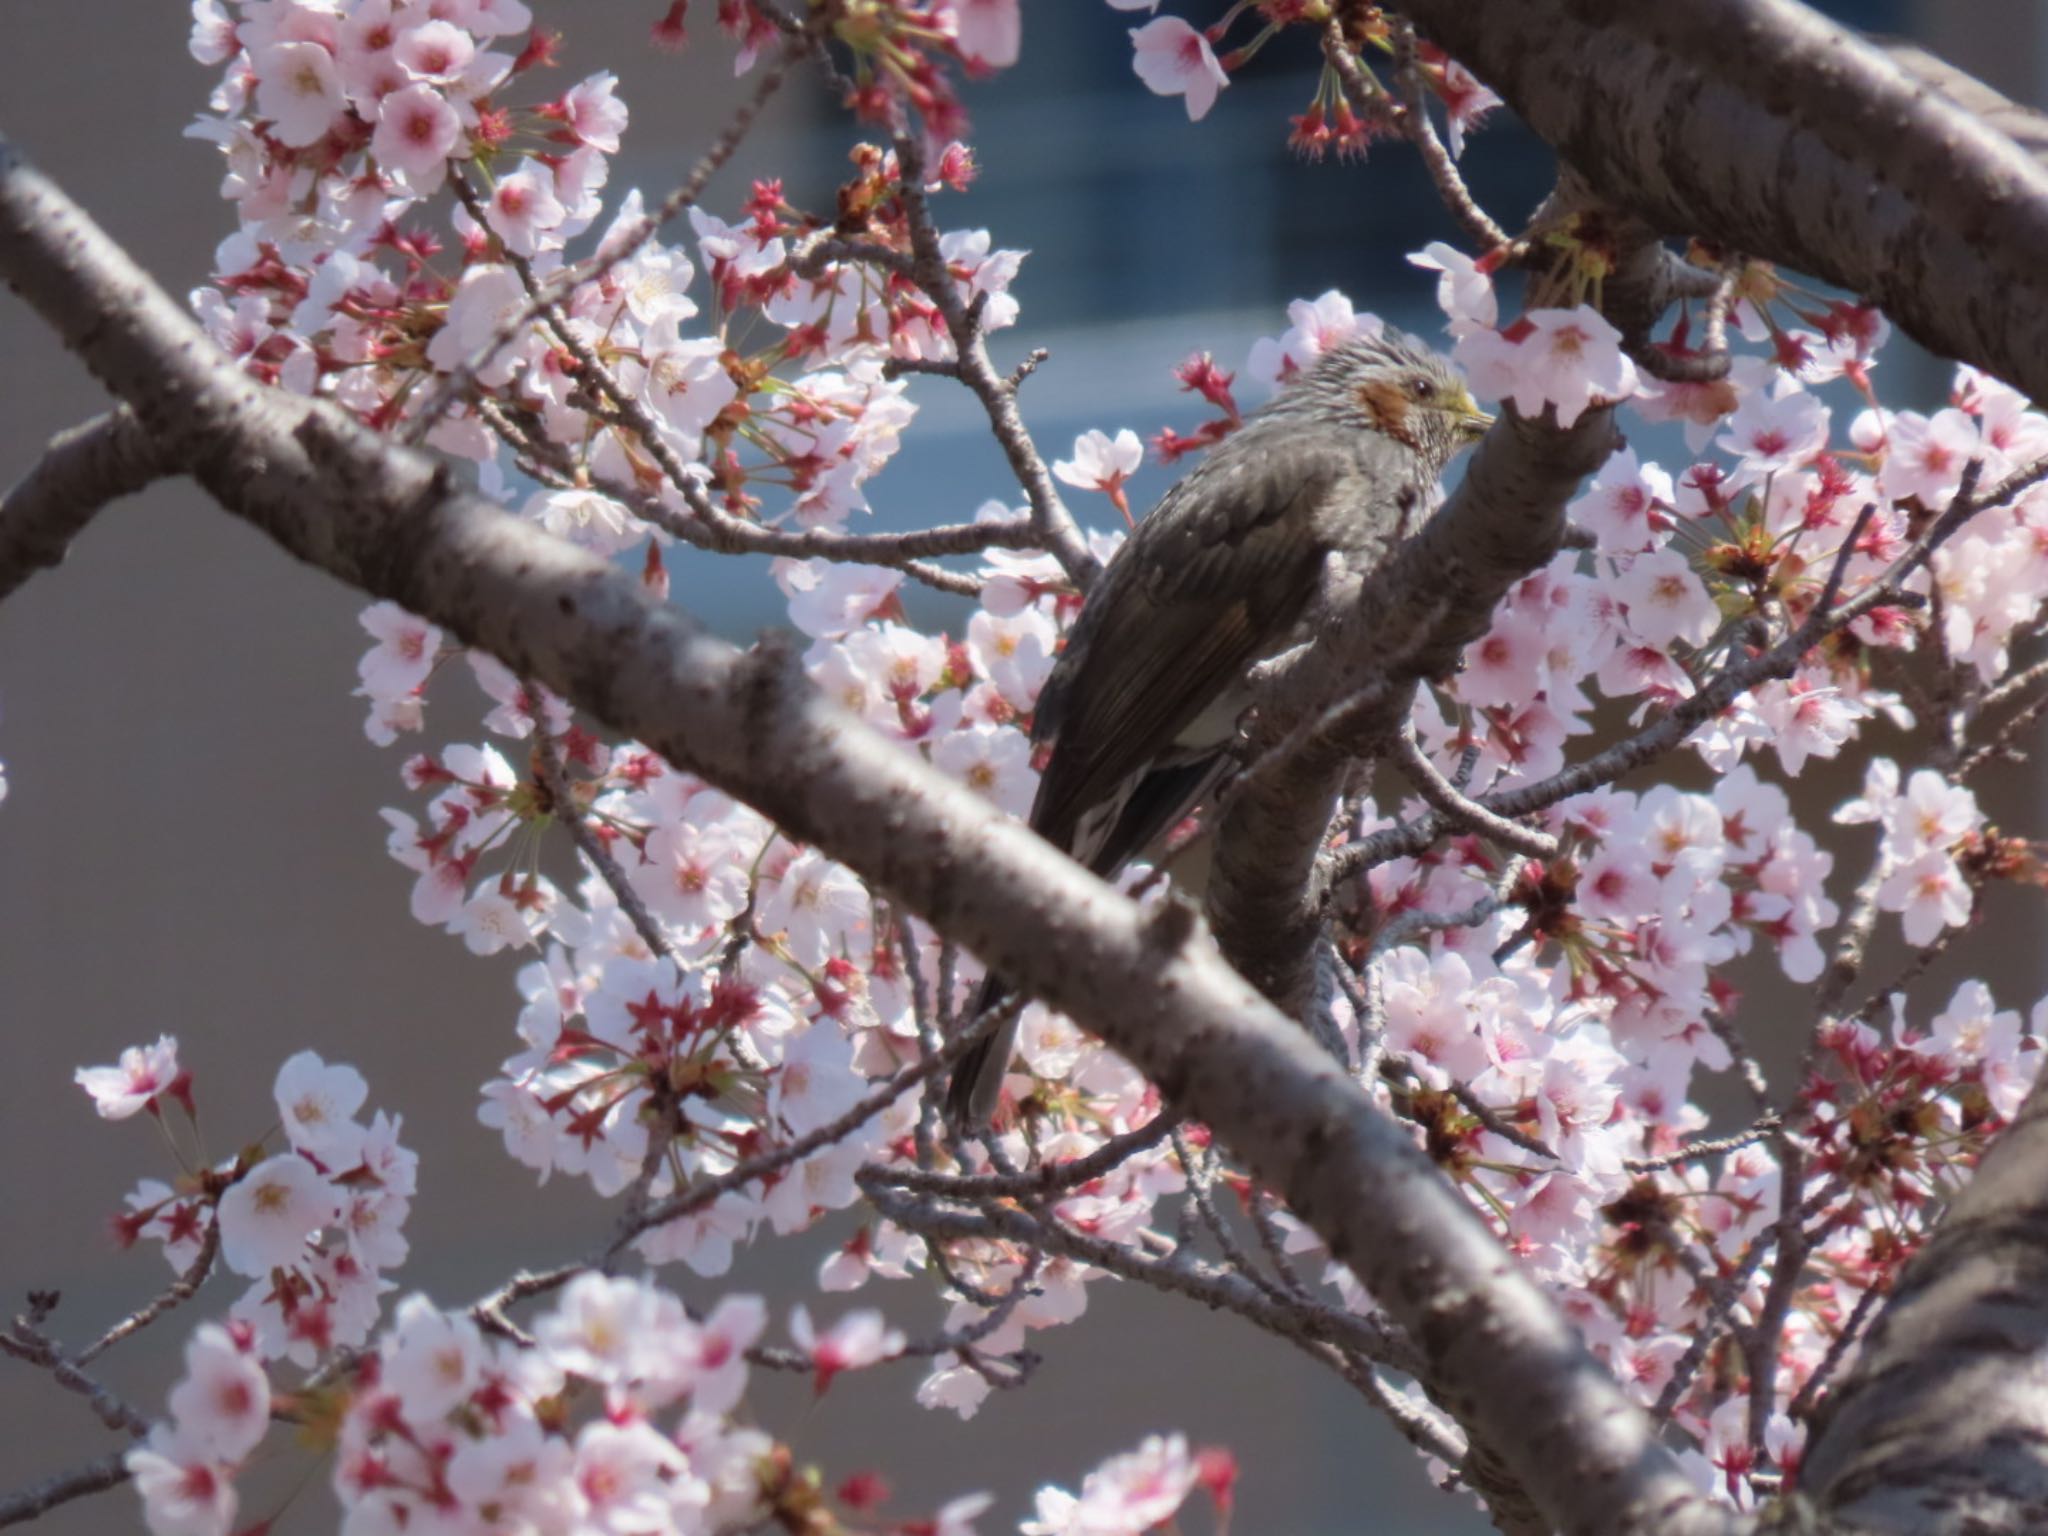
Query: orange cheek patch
(1388, 409)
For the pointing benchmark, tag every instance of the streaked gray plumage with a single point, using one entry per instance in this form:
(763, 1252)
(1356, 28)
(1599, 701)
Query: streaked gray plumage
(1239, 562)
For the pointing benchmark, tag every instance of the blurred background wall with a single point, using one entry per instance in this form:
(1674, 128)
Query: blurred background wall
(191, 841)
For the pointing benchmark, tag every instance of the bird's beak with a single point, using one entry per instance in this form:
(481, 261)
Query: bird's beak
(1472, 421)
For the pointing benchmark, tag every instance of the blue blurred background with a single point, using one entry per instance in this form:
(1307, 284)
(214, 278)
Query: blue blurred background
(191, 842)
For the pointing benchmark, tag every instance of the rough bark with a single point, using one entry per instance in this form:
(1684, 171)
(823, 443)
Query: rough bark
(83, 469)
(1764, 127)
(1940, 1426)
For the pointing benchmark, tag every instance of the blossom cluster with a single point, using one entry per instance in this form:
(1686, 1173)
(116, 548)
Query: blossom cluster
(1173, 57)
(443, 1425)
(635, 405)
(313, 1226)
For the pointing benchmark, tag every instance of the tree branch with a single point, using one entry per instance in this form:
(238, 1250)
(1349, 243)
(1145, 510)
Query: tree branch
(1763, 127)
(1939, 1425)
(1437, 593)
(97, 1476)
(83, 468)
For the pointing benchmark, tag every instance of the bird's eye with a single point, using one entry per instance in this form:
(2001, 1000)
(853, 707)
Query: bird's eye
(1421, 388)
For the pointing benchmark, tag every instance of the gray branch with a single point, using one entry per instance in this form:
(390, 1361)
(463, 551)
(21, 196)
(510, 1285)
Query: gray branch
(83, 469)
(1939, 1425)
(1764, 127)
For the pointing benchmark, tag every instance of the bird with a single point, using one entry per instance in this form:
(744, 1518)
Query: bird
(1242, 560)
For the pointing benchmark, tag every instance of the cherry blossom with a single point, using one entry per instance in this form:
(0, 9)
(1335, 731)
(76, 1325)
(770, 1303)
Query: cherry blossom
(1173, 59)
(858, 1340)
(1568, 359)
(1463, 292)
(1664, 600)
(317, 1105)
(271, 1213)
(299, 89)
(1126, 1496)
(988, 32)
(1102, 464)
(185, 1491)
(417, 130)
(222, 1402)
(142, 1075)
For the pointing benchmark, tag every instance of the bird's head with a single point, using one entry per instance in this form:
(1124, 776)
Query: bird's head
(1394, 385)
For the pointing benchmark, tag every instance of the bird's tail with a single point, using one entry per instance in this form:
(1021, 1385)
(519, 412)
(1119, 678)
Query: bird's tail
(977, 1084)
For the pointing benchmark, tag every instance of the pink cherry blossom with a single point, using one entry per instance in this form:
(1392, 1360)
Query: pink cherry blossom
(222, 1402)
(1314, 326)
(268, 1216)
(858, 1340)
(1568, 359)
(436, 51)
(1101, 463)
(317, 1105)
(522, 209)
(134, 1082)
(299, 89)
(1772, 432)
(485, 296)
(719, 1374)
(1925, 456)
(432, 1360)
(185, 1490)
(1664, 600)
(989, 32)
(594, 112)
(417, 130)
(620, 1332)
(1173, 59)
(1127, 1495)
(1929, 894)
(1463, 292)
(1626, 505)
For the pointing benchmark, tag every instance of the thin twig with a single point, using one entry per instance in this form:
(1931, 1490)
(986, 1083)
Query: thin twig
(28, 1343)
(1201, 1174)
(1444, 797)
(547, 759)
(1403, 926)
(178, 1292)
(1056, 528)
(97, 1476)
(1706, 1329)
(1716, 1146)
(1760, 1348)
(1183, 1273)
(1414, 124)
(767, 1164)
(1045, 1179)
(1802, 1404)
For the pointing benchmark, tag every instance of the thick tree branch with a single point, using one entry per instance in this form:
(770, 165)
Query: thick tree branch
(83, 469)
(1940, 1424)
(390, 522)
(1437, 594)
(1761, 126)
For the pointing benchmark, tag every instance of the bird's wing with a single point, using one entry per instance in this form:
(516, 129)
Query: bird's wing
(1214, 579)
